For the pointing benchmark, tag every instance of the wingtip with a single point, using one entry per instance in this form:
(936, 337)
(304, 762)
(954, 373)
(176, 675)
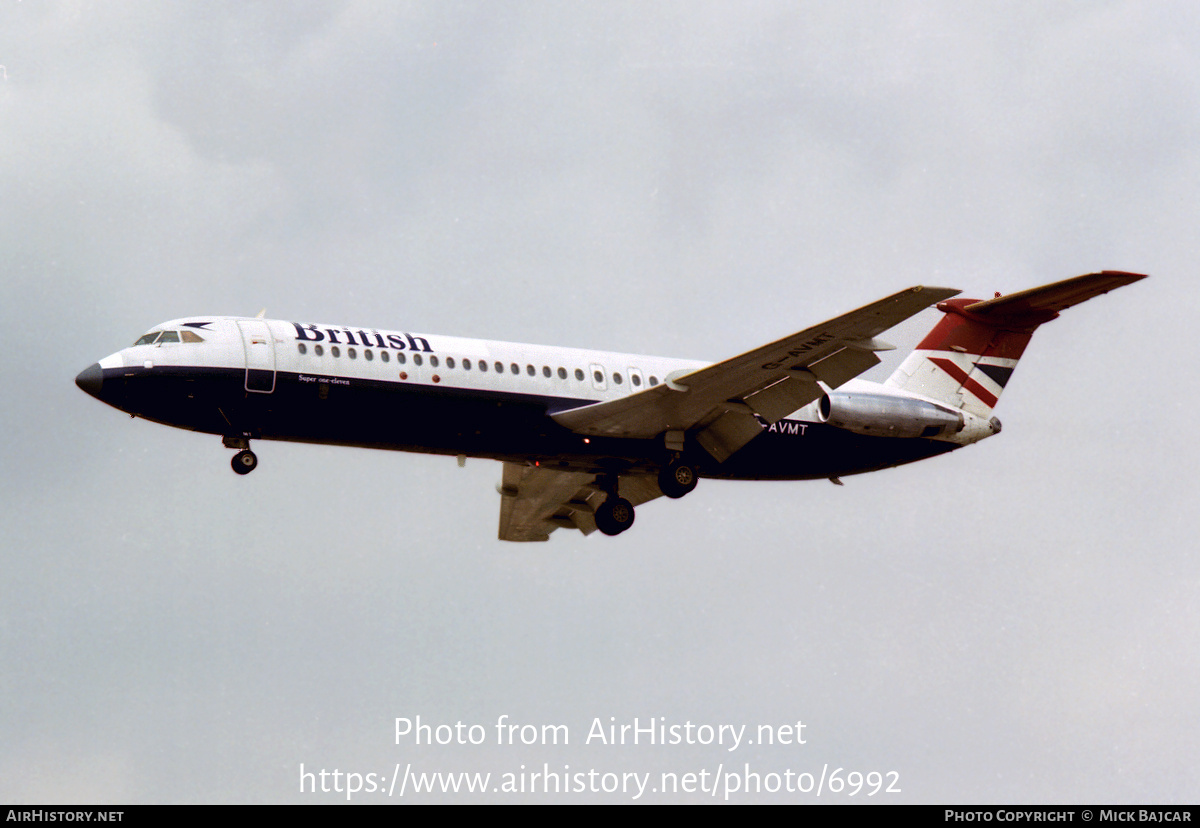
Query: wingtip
(1125, 276)
(939, 292)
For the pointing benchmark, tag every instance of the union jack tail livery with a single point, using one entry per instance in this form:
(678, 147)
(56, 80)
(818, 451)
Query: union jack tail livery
(968, 358)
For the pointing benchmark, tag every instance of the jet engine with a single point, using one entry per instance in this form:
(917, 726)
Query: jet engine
(884, 415)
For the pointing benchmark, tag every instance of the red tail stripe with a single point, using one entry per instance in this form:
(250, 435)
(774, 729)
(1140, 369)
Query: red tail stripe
(950, 367)
(958, 333)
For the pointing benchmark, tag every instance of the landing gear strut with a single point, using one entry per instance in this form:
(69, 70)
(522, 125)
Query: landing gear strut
(677, 479)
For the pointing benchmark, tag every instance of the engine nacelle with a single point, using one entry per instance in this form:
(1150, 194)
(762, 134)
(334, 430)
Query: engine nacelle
(883, 415)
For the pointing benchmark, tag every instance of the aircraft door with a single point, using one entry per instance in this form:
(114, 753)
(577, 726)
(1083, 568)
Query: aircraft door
(260, 355)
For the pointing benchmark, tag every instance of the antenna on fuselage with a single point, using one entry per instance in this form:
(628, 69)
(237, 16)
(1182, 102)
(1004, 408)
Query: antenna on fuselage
(261, 314)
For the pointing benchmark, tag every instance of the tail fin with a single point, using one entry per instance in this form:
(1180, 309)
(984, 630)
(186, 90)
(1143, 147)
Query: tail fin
(969, 356)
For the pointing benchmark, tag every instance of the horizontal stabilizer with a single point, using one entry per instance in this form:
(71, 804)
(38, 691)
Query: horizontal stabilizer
(1041, 304)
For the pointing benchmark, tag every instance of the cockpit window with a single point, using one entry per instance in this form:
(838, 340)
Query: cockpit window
(169, 336)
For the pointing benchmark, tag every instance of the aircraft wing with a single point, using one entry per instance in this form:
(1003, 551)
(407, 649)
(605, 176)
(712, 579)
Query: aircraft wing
(719, 404)
(535, 500)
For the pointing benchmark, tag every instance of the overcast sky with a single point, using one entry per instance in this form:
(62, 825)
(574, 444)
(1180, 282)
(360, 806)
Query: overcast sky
(1017, 622)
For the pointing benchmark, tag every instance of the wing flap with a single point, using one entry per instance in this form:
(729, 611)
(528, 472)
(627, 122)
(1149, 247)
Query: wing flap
(775, 402)
(532, 501)
(846, 364)
(535, 500)
(728, 433)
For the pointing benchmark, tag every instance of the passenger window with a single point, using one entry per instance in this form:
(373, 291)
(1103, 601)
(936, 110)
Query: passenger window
(433, 361)
(499, 367)
(653, 381)
(529, 370)
(449, 362)
(401, 358)
(335, 350)
(302, 348)
(562, 372)
(384, 356)
(466, 365)
(417, 359)
(598, 376)
(319, 350)
(545, 370)
(617, 377)
(367, 353)
(516, 369)
(635, 379)
(483, 365)
(579, 374)
(353, 354)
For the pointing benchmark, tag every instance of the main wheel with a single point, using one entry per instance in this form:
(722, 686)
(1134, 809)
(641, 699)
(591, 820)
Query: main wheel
(677, 479)
(244, 461)
(614, 516)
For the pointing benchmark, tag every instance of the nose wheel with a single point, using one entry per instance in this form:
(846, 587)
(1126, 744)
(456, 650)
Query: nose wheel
(245, 461)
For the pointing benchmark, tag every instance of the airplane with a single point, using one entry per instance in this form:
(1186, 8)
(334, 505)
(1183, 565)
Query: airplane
(587, 436)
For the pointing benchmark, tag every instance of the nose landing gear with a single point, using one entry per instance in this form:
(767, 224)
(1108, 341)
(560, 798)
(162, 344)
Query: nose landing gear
(245, 461)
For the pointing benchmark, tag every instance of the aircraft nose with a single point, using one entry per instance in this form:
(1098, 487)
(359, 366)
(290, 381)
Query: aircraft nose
(91, 379)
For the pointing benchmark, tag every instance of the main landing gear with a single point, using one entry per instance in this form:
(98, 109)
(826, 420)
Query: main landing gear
(615, 514)
(245, 461)
(677, 479)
